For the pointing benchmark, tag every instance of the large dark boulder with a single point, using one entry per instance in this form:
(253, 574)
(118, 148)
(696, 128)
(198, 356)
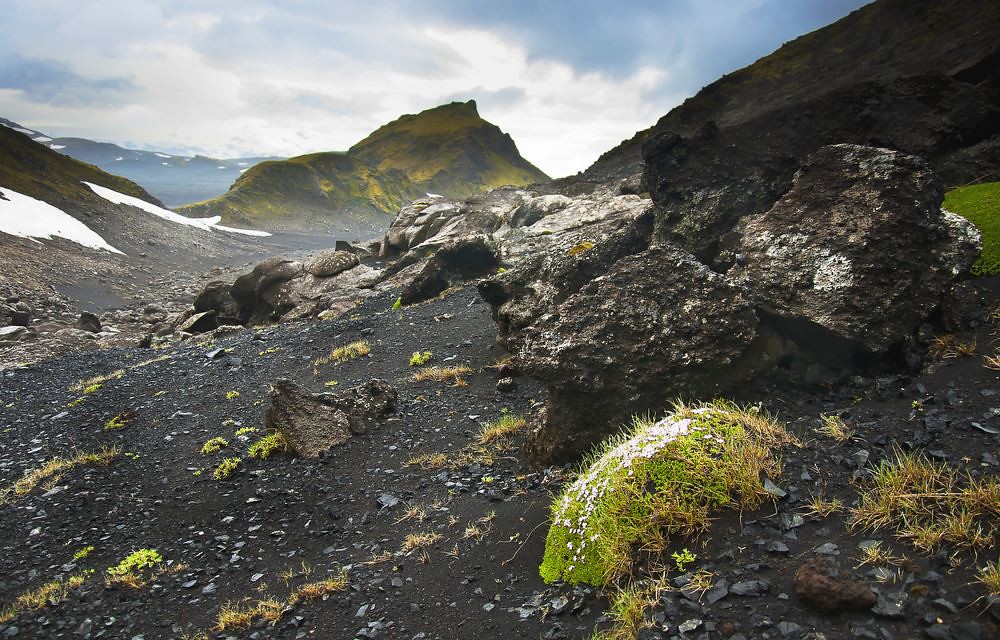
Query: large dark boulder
(313, 423)
(657, 325)
(859, 246)
(258, 293)
(215, 297)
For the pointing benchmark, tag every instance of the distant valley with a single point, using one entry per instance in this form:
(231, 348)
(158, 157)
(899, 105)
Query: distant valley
(173, 179)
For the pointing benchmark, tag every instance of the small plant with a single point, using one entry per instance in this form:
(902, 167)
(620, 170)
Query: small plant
(949, 346)
(820, 506)
(269, 351)
(993, 361)
(214, 445)
(330, 383)
(503, 427)
(120, 420)
(683, 558)
(232, 395)
(420, 358)
(343, 353)
(443, 374)
(419, 540)
(136, 561)
(876, 555)
(833, 426)
(245, 431)
(581, 247)
(398, 304)
(83, 552)
(628, 607)
(50, 593)
(90, 385)
(989, 577)
(661, 478)
(429, 460)
(318, 589)
(226, 468)
(263, 448)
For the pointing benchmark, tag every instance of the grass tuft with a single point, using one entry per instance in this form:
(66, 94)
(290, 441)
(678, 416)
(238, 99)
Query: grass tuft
(660, 478)
(948, 347)
(55, 467)
(443, 374)
(989, 577)
(834, 427)
(343, 353)
(928, 504)
(90, 385)
(503, 427)
(420, 540)
(628, 607)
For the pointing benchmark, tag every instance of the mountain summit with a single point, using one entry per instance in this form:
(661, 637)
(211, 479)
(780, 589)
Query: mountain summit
(448, 150)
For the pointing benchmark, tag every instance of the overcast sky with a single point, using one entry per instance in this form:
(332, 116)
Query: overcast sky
(568, 80)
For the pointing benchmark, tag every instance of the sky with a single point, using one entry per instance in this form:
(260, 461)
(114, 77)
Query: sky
(226, 78)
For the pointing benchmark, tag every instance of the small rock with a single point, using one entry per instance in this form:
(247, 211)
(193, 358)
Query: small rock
(751, 588)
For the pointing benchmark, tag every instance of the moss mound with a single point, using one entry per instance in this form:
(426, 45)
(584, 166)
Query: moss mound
(980, 204)
(660, 478)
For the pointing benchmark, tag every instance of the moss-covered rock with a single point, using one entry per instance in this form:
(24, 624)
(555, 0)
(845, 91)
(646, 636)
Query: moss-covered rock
(661, 478)
(980, 204)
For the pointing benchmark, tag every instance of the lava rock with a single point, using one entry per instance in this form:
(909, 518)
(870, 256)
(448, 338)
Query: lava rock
(819, 583)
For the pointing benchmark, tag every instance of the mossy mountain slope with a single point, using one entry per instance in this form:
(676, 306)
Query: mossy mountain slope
(34, 170)
(881, 42)
(449, 150)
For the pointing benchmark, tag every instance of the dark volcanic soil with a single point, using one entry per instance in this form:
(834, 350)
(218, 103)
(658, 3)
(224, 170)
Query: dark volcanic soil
(237, 536)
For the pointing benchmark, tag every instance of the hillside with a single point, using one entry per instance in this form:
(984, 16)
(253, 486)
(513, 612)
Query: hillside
(173, 179)
(449, 150)
(880, 42)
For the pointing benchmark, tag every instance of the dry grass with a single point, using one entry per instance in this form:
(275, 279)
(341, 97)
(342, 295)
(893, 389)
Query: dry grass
(52, 470)
(318, 589)
(820, 506)
(90, 385)
(993, 361)
(378, 558)
(429, 461)
(834, 427)
(628, 607)
(929, 504)
(948, 346)
(877, 556)
(343, 353)
(52, 592)
(989, 577)
(443, 374)
(146, 363)
(420, 540)
(413, 512)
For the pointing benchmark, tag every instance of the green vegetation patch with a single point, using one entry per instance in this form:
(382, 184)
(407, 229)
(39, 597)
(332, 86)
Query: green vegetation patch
(659, 478)
(214, 445)
(136, 561)
(980, 204)
(263, 448)
(420, 358)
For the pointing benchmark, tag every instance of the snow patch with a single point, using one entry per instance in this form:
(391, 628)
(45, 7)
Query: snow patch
(57, 146)
(165, 164)
(202, 223)
(161, 155)
(42, 138)
(26, 217)
(220, 167)
(119, 159)
(433, 195)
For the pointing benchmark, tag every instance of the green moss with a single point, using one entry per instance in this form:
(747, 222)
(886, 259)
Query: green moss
(226, 468)
(263, 448)
(136, 561)
(214, 445)
(420, 358)
(660, 479)
(980, 204)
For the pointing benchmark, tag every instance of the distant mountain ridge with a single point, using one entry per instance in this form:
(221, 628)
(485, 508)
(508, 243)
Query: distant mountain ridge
(448, 150)
(175, 180)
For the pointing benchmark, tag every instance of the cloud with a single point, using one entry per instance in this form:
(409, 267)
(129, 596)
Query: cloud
(260, 77)
(55, 83)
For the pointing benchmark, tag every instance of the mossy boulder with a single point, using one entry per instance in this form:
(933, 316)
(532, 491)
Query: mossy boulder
(980, 204)
(659, 479)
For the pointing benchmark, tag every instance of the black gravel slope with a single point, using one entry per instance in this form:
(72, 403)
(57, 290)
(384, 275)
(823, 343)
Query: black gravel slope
(237, 536)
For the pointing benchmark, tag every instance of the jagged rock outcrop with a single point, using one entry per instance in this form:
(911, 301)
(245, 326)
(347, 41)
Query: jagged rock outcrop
(314, 423)
(859, 246)
(704, 182)
(458, 261)
(833, 278)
